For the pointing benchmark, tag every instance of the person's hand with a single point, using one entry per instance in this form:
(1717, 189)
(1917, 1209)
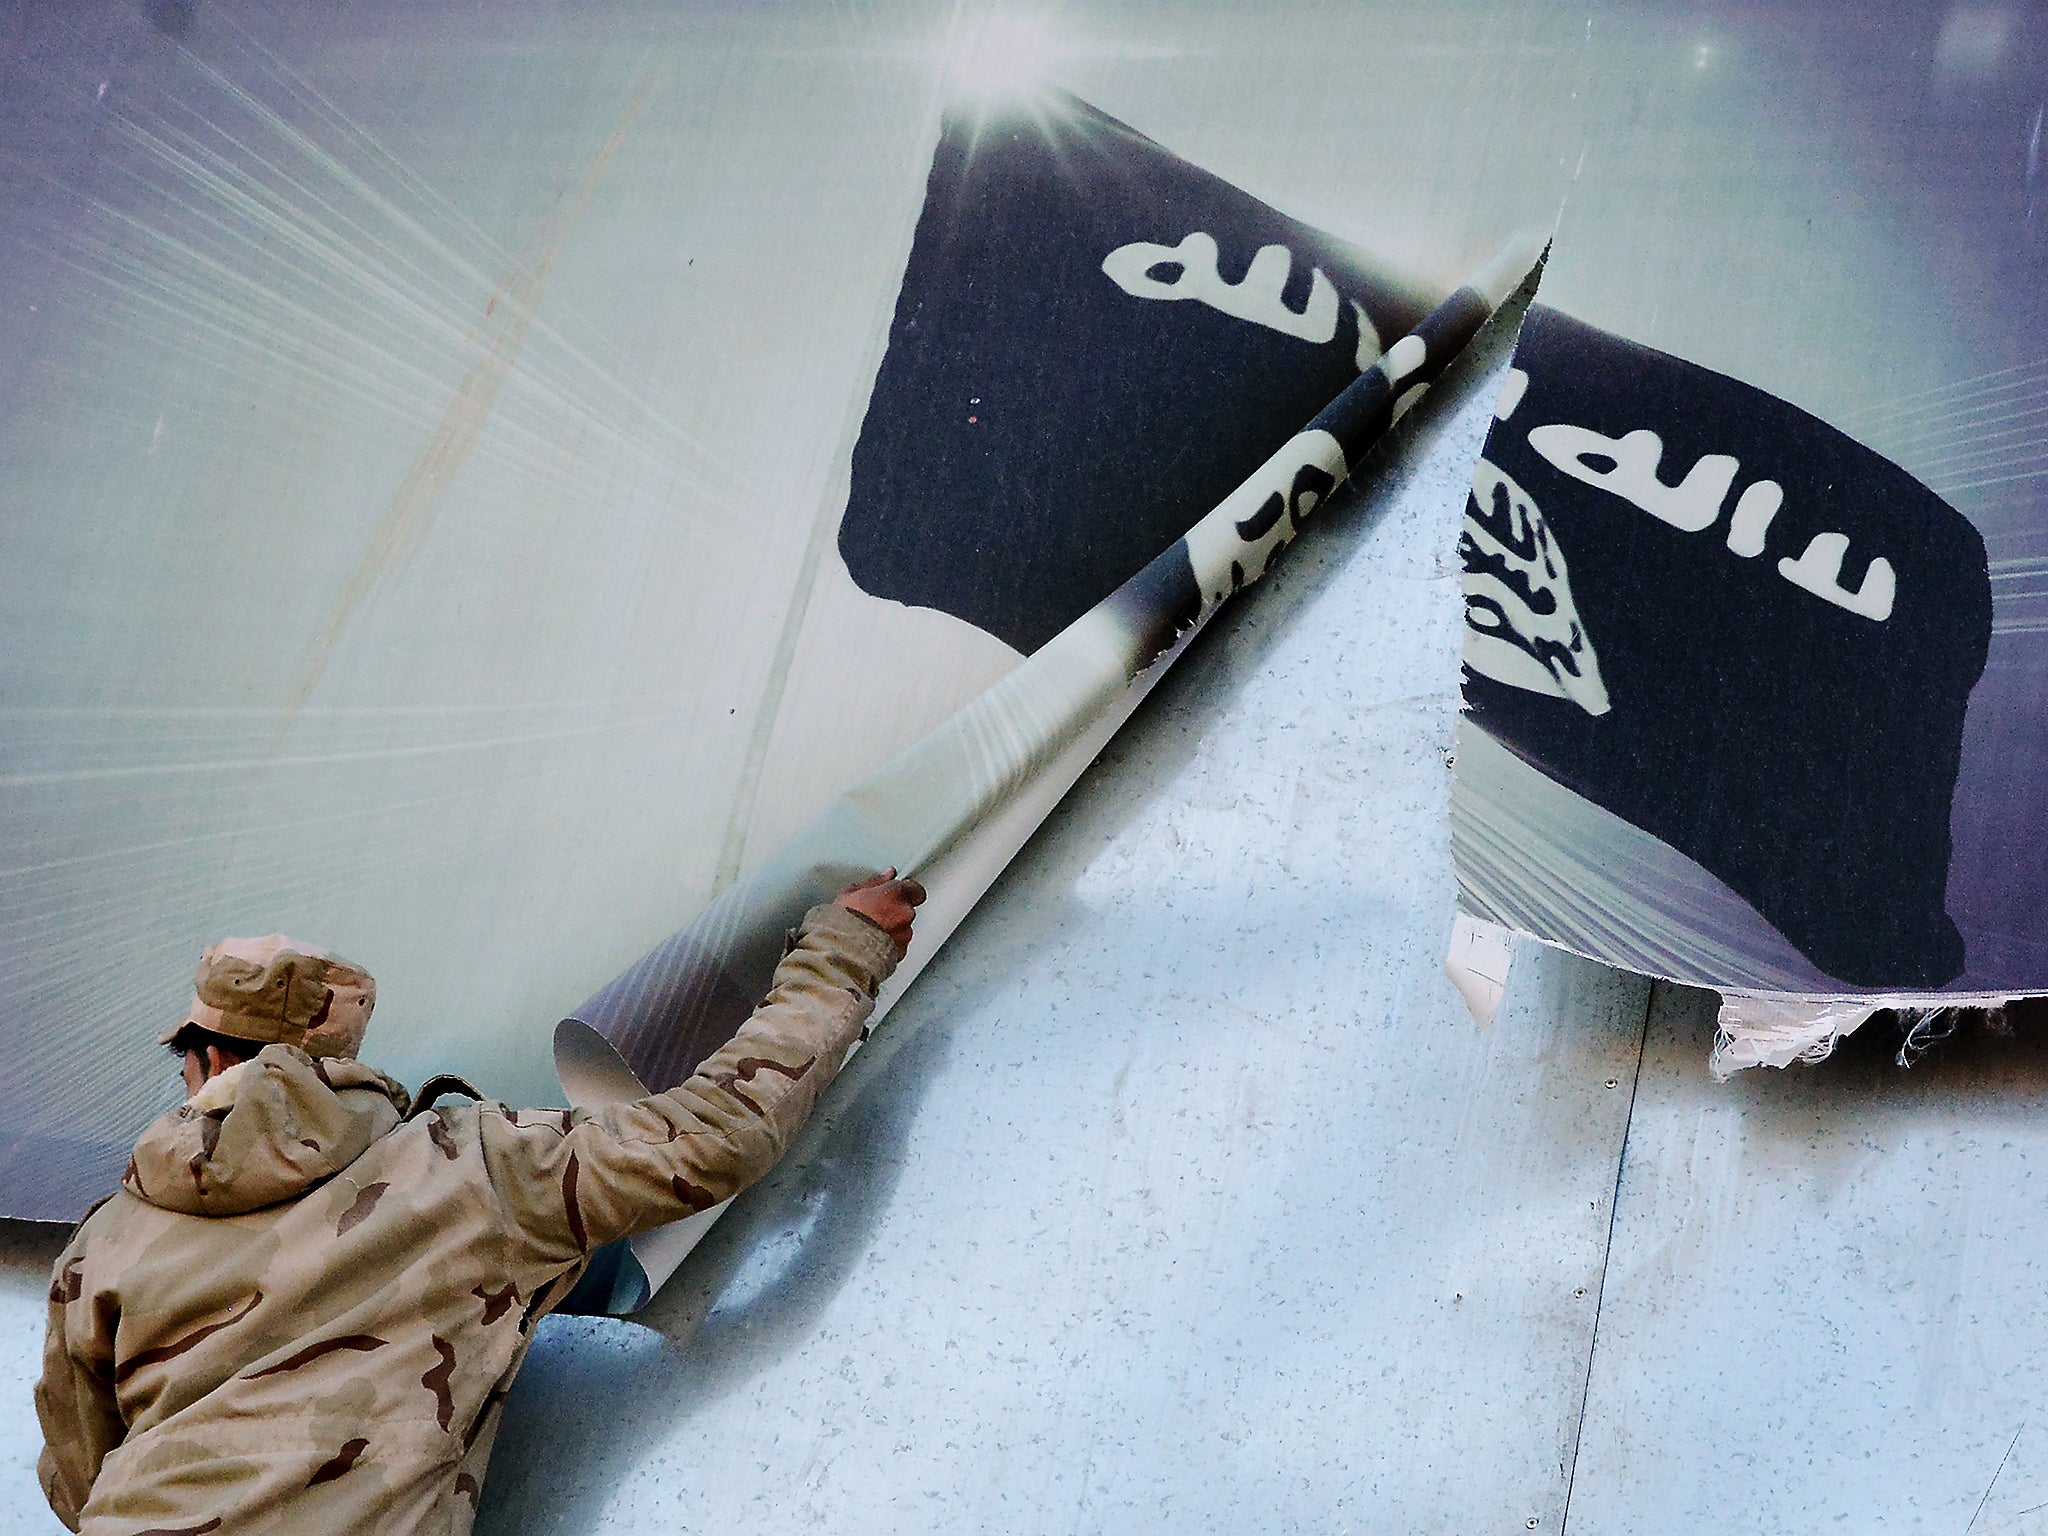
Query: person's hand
(890, 904)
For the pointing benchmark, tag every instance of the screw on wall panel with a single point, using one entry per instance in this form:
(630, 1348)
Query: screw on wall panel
(1532, 1522)
(1614, 1082)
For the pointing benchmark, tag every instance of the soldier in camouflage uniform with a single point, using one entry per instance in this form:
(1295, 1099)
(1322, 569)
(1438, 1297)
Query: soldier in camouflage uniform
(303, 1308)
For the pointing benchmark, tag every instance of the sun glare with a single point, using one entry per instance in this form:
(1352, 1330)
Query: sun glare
(1004, 54)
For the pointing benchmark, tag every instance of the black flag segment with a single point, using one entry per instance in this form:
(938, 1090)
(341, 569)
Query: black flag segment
(1095, 341)
(1736, 627)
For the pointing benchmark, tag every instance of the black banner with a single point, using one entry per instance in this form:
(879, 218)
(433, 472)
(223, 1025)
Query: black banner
(1736, 627)
(1095, 341)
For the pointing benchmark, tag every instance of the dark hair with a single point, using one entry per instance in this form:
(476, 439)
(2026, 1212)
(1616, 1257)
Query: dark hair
(195, 1037)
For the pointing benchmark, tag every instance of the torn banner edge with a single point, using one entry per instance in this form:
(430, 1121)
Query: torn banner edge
(1751, 1029)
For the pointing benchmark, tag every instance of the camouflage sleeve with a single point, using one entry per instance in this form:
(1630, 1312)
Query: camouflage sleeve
(75, 1399)
(572, 1181)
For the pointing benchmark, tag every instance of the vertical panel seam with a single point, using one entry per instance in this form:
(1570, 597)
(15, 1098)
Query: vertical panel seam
(1607, 1255)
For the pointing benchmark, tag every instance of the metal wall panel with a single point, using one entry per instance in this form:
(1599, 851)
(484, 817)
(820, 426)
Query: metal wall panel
(1823, 1306)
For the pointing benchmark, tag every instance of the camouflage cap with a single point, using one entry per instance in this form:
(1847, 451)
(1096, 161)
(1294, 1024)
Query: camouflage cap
(275, 990)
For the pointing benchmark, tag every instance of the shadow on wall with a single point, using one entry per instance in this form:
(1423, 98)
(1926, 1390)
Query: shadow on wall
(752, 1290)
(763, 1279)
(30, 1248)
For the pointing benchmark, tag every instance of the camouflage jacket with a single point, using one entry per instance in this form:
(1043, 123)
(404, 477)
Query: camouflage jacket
(301, 1311)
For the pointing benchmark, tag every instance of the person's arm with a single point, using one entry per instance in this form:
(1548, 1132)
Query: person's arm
(75, 1399)
(572, 1182)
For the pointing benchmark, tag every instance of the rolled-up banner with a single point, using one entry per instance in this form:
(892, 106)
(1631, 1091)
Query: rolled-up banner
(992, 771)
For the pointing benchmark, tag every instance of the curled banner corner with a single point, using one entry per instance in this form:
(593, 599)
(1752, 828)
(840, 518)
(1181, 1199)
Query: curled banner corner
(592, 1072)
(1477, 964)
